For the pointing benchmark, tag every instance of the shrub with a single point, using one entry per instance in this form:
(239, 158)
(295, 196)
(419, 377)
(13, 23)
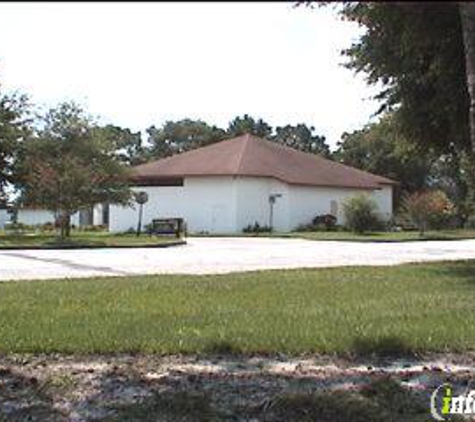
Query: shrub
(429, 209)
(325, 222)
(256, 228)
(360, 214)
(470, 223)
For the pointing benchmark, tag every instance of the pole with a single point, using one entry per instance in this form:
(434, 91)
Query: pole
(139, 225)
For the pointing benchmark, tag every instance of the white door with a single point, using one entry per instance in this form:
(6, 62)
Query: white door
(218, 218)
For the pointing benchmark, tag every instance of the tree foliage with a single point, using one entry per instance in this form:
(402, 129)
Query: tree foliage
(303, 138)
(183, 135)
(247, 124)
(127, 145)
(66, 168)
(14, 129)
(380, 148)
(415, 50)
(428, 209)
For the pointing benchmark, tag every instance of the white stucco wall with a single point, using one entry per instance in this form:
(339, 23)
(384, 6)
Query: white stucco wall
(228, 204)
(35, 217)
(308, 201)
(4, 218)
(208, 204)
(252, 199)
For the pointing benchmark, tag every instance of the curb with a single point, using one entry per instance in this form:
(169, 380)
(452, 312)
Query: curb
(72, 247)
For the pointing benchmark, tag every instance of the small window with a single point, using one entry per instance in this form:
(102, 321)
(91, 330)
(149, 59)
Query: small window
(178, 181)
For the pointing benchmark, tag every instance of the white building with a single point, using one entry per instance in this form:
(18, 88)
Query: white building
(224, 187)
(96, 216)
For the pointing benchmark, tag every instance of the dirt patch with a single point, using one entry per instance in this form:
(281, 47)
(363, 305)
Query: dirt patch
(154, 388)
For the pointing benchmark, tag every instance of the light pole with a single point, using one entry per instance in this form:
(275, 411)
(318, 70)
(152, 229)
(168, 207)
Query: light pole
(272, 199)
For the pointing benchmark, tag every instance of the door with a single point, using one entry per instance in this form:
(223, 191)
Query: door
(218, 218)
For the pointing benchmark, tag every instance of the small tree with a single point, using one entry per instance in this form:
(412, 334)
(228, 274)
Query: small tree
(428, 209)
(360, 213)
(67, 169)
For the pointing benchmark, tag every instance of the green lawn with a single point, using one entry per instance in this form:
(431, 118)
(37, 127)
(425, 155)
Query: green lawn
(403, 236)
(418, 307)
(79, 239)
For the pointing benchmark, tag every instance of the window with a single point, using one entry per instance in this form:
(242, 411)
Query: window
(176, 181)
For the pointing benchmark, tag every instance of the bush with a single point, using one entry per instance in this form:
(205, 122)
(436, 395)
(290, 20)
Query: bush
(93, 228)
(256, 228)
(470, 223)
(325, 222)
(429, 209)
(46, 227)
(360, 214)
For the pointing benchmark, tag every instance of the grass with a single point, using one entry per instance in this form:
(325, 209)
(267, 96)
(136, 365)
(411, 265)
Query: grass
(404, 236)
(360, 310)
(79, 239)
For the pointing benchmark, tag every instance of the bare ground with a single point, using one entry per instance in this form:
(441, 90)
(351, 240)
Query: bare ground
(224, 387)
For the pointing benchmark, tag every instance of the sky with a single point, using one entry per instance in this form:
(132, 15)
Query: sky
(141, 64)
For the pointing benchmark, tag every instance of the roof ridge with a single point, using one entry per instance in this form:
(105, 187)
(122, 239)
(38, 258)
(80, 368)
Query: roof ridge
(243, 150)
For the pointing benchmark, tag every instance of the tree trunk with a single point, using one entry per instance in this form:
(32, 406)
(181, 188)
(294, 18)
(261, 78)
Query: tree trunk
(65, 224)
(467, 17)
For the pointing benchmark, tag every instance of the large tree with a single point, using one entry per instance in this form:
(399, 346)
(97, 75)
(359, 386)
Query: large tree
(181, 136)
(66, 168)
(381, 149)
(467, 15)
(303, 138)
(127, 145)
(422, 56)
(14, 129)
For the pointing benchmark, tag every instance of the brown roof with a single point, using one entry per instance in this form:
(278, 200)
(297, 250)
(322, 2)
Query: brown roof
(248, 155)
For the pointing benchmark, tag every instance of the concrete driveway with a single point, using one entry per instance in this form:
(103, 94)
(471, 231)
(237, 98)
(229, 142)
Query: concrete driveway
(222, 255)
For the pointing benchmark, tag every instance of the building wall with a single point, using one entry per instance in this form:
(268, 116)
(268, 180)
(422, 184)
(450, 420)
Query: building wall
(4, 218)
(208, 204)
(229, 204)
(308, 201)
(35, 217)
(252, 198)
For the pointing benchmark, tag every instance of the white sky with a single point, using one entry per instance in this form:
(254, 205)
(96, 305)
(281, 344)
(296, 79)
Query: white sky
(138, 64)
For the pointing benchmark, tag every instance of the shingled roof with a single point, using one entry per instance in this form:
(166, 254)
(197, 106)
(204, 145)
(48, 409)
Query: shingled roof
(248, 155)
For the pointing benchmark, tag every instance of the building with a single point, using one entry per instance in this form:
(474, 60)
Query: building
(95, 216)
(226, 186)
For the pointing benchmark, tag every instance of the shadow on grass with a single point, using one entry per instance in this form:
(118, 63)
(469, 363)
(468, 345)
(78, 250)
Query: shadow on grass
(464, 270)
(24, 398)
(381, 347)
(381, 400)
(180, 407)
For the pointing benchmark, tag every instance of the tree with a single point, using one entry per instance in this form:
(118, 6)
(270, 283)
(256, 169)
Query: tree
(428, 209)
(247, 124)
(416, 52)
(127, 145)
(302, 137)
(380, 148)
(184, 135)
(14, 129)
(467, 16)
(66, 169)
